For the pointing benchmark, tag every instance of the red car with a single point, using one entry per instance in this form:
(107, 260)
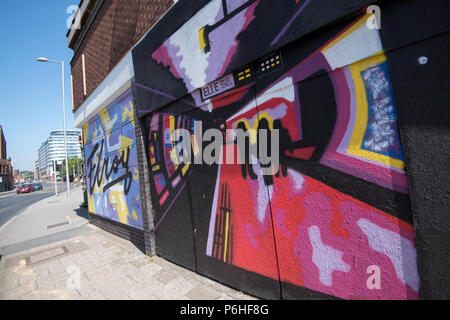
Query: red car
(25, 188)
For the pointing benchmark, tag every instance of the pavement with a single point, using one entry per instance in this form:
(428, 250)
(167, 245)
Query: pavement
(51, 252)
(12, 204)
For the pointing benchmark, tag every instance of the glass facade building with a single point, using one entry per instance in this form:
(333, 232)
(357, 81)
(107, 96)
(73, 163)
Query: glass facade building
(52, 149)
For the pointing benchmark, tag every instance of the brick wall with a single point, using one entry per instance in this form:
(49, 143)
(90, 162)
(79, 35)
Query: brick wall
(144, 185)
(118, 26)
(133, 235)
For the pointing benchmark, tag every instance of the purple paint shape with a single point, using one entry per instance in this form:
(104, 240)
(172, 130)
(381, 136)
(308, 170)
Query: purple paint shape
(250, 235)
(173, 201)
(309, 66)
(176, 181)
(224, 43)
(235, 4)
(346, 118)
(162, 56)
(286, 27)
(162, 93)
(114, 137)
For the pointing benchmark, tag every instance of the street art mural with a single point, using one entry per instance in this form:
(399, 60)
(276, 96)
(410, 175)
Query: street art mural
(338, 204)
(111, 163)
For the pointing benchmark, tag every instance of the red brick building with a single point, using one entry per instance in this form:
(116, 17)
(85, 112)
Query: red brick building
(6, 168)
(109, 30)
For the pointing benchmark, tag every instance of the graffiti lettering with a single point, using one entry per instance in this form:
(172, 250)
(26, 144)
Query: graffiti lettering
(96, 174)
(299, 173)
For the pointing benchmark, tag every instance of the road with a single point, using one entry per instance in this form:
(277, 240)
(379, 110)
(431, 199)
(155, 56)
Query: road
(12, 204)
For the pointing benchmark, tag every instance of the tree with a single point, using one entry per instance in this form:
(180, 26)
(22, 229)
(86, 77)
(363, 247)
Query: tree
(74, 167)
(27, 175)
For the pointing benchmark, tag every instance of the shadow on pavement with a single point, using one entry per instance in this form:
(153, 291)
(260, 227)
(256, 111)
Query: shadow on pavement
(82, 212)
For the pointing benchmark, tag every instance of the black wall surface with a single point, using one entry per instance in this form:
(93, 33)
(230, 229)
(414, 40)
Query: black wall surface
(415, 36)
(420, 71)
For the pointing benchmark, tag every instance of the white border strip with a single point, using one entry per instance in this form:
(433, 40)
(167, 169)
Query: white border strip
(117, 81)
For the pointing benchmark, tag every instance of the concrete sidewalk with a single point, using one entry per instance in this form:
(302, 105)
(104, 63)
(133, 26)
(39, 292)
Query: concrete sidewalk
(46, 217)
(106, 266)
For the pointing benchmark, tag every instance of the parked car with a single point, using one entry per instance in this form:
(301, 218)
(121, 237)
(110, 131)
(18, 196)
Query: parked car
(25, 188)
(37, 186)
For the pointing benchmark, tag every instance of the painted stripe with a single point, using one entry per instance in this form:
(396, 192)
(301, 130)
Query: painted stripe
(212, 222)
(226, 237)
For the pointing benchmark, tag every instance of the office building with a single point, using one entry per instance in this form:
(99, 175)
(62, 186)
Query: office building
(52, 149)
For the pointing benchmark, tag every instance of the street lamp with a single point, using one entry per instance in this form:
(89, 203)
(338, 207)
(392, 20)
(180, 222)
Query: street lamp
(64, 116)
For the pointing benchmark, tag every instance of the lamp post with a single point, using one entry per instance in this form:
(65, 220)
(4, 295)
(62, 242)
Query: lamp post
(64, 116)
(54, 175)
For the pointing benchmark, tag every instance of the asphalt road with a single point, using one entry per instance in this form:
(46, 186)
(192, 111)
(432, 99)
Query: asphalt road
(12, 204)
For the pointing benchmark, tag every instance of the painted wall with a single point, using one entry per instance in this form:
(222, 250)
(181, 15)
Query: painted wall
(111, 163)
(339, 207)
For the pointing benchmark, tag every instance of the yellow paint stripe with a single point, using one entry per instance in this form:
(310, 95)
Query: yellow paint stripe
(201, 38)
(106, 120)
(349, 31)
(118, 199)
(85, 133)
(91, 204)
(253, 130)
(362, 114)
(172, 123)
(185, 169)
(226, 237)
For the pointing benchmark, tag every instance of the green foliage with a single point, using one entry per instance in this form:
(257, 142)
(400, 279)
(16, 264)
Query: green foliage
(74, 166)
(27, 174)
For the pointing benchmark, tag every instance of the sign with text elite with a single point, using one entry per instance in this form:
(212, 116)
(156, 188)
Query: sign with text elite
(217, 87)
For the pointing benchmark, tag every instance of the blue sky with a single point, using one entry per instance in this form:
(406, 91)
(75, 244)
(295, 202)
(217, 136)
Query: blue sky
(31, 103)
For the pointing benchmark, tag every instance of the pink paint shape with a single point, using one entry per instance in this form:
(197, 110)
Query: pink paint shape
(366, 169)
(164, 198)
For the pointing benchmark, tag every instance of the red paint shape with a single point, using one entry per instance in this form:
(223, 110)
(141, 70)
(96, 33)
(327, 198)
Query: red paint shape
(303, 153)
(336, 222)
(290, 120)
(253, 241)
(228, 98)
(163, 198)
(314, 204)
(161, 55)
